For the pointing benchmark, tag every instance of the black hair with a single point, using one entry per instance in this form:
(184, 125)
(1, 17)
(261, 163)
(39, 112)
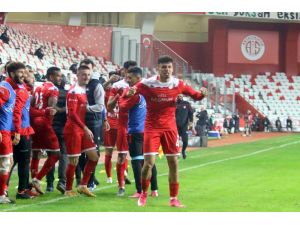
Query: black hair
(129, 63)
(83, 67)
(164, 59)
(14, 66)
(86, 62)
(51, 71)
(73, 68)
(6, 64)
(136, 71)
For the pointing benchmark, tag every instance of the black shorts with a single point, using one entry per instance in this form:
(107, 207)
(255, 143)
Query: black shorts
(135, 144)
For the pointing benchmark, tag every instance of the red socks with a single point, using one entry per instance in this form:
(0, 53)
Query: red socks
(120, 174)
(34, 167)
(173, 190)
(145, 185)
(3, 180)
(50, 162)
(108, 165)
(70, 176)
(88, 170)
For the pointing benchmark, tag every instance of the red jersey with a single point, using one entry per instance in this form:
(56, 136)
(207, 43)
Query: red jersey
(161, 101)
(112, 117)
(118, 88)
(76, 110)
(42, 95)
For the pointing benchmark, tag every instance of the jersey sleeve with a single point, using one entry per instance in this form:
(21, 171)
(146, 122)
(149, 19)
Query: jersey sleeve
(189, 91)
(19, 105)
(72, 102)
(4, 96)
(127, 103)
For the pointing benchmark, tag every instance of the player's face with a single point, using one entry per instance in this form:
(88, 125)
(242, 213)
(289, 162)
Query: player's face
(29, 78)
(83, 77)
(132, 79)
(19, 76)
(165, 71)
(180, 97)
(57, 78)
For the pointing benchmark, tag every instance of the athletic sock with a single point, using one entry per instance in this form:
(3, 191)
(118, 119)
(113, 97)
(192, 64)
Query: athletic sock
(34, 167)
(145, 185)
(108, 165)
(88, 170)
(48, 165)
(120, 174)
(70, 176)
(173, 188)
(3, 180)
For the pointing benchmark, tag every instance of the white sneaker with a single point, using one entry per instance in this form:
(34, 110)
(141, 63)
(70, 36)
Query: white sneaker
(5, 200)
(109, 180)
(36, 184)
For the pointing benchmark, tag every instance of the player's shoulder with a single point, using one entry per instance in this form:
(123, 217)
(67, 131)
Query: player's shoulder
(75, 89)
(50, 86)
(120, 84)
(155, 82)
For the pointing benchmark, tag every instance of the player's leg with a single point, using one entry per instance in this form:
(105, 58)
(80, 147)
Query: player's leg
(150, 148)
(184, 138)
(173, 180)
(62, 164)
(89, 148)
(47, 140)
(154, 186)
(70, 172)
(122, 148)
(23, 150)
(110, 138)
(135, 144)
(170, 145)
(34, 164)
(6, 161)
(121, 167)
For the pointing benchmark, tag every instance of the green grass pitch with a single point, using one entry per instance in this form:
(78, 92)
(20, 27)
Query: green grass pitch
(251, 177)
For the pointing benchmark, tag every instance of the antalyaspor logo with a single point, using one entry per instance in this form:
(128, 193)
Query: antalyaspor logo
(253, 47)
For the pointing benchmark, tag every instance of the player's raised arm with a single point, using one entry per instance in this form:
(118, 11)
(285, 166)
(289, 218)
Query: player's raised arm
(196, 95)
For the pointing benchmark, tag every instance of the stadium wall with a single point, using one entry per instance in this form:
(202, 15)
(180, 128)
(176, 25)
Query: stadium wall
(195, 53)
(283, 55)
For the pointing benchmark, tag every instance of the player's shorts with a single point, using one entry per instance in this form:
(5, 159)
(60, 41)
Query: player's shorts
(122, 144)
(169, 140)
(110, 138)
(44, 136)
(135, 144)
(77, 142)
(6, 149)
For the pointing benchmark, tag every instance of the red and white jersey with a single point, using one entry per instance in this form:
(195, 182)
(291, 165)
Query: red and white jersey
(43, 93)
(41, 96)
(118, 88)
(112, 117)
(161, 101)
(76, 109)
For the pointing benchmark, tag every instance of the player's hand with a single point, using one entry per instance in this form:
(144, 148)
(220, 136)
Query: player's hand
(88, 133)
(0, 137)
(106, 125)
(131, 91)
(16, 139)
(190, 126)
(51, 111)
(203, 91)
